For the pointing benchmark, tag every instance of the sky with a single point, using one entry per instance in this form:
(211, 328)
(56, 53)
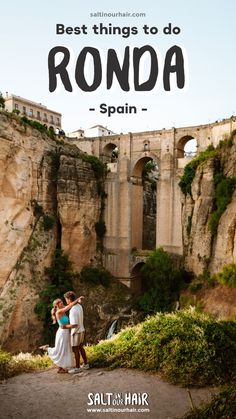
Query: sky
(207, 37)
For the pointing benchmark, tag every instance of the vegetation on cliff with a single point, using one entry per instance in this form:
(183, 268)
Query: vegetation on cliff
(98, 166)
(186, 347)
(162, 282)
(227, 276)
(60, 279)
(191, 168)
(224, 185)
(222, 406)
(2, 101)
(95, 275)
(37, 125)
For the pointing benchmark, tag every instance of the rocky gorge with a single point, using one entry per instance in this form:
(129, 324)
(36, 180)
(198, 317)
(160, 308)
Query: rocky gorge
(43, 180)
(50, 198)
(202, 247)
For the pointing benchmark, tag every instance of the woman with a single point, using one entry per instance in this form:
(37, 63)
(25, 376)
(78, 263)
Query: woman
(62, 354)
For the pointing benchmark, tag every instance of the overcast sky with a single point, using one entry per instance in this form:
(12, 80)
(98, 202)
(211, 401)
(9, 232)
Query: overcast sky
(207, 36)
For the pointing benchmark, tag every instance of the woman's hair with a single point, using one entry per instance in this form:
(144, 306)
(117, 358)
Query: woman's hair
(54, 310)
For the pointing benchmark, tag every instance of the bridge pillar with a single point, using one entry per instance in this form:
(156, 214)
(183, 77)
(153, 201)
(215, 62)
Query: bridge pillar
(137, 213)
(117, 219)
(168, 225)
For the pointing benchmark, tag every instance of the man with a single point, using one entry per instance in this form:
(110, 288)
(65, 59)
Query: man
(76, 317)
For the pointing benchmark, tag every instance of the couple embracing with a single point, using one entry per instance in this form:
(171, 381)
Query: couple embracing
(69, 336)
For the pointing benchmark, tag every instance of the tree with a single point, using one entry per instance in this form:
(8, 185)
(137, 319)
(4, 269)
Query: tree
(60, 276)
(2, 101)
(162, 281)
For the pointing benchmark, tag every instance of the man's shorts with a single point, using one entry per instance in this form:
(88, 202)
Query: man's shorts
(77, 339)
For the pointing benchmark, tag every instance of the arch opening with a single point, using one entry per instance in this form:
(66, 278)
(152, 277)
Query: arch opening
(137, 280)
(187, 147)
(144, 190)
(110, 153)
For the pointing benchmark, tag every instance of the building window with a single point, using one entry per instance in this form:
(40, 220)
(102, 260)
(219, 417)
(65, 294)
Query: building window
(24, 110)
(58, 121)
(16, 106)
(38, 115)
(31, 112)
(45, 117)
(51, 119)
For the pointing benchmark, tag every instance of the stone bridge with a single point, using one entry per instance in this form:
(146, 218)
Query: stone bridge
(124, 205)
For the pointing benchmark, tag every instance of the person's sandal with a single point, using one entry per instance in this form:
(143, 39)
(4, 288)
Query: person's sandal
(61, 371)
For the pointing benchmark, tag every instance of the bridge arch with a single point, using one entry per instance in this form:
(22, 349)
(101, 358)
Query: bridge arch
(110, 152)
(137, 282)
(140, 161)
(187, 146)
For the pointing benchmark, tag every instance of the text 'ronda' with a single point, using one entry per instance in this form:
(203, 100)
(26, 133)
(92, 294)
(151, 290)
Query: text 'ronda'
(89, 60)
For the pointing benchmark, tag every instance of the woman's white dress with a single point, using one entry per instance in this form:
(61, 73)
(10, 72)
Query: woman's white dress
(62, 354)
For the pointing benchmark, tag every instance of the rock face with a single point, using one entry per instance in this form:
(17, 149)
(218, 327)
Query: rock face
(103, 305)
(38, 176)
(201, 249)
(78, 208)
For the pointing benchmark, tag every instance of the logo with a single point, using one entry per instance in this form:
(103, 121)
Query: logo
(117, 399)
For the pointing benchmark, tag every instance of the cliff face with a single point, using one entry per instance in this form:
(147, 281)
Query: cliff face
(38, 174)
(201, 248)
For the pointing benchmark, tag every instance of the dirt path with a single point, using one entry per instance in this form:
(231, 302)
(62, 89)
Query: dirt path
(46, 394)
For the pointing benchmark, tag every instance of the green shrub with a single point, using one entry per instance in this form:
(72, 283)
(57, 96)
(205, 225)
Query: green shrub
(189, 225)
(190, 169)
(38, 209)
(232, 135)
(95, 275)
(227, 276)
(186, 347)
(37, 125)
(195, 286)
(222, 406)
(162, 282)
(187, 178)
(11, 365)
(2, 101)
(60, 279)
(5, 359)
(224, 190)
(48, 222)
(98, 167)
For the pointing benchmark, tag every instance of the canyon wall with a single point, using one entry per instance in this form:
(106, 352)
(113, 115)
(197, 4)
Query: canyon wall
(42, 177)
(202, 250)
(39, 176)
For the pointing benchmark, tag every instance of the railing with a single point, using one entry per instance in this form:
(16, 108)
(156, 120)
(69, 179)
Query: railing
(190, 153)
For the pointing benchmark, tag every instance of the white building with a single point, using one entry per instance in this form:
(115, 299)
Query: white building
(98, 131)
(79, 133)
(33, 110)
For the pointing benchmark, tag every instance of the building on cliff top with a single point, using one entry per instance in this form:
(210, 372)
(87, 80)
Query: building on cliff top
(98, 131)
(79, 133)
(95, 131)
(33, 110)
